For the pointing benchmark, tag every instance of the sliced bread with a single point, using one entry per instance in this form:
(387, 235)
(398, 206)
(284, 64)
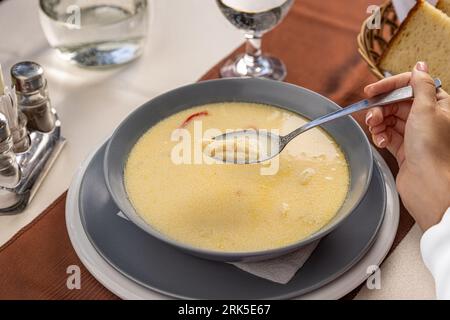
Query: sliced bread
(423, 36)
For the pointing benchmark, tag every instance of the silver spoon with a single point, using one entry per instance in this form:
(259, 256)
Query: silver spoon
(272, 144)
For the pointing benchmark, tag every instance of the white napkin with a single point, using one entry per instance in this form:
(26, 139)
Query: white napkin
(402, 7)
(280, 270)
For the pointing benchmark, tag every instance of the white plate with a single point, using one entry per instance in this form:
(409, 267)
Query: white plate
(128, 289)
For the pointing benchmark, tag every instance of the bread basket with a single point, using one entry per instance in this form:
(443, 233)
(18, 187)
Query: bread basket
(373, 42)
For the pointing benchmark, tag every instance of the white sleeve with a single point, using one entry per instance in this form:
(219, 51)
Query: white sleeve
(435, 248)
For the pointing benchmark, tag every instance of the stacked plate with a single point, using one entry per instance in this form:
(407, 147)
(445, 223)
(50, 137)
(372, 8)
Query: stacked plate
(134, 264)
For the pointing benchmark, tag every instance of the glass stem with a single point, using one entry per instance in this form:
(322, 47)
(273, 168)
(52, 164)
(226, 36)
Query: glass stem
(252, 49)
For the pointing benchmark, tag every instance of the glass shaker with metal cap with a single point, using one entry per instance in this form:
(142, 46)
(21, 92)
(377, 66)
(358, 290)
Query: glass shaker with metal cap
(9, 169)
(32, 93)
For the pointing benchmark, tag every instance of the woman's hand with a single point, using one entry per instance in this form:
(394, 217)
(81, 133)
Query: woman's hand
(418, 135)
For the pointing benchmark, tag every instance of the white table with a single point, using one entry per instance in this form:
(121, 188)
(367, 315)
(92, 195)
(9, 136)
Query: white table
(186, 38)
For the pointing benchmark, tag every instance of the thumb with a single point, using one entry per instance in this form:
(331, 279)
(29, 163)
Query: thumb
(424, 88)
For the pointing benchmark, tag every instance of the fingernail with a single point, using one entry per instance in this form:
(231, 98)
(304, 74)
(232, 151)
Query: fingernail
(369, 116)
(422, 66)
(381, 142)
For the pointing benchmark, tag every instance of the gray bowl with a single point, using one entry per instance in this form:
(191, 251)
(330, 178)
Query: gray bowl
(345, 131)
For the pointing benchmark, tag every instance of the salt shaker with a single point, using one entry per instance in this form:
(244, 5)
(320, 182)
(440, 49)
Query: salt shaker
(17, 121)
(9, 168)
(32, 93)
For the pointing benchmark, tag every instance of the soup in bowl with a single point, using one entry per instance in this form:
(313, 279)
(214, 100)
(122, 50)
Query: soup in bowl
(231, 207)
(161, 178)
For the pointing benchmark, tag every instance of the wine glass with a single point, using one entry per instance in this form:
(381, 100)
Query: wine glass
(255, 18)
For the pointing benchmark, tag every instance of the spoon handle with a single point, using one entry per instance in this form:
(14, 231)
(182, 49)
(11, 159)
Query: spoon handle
(398, 95)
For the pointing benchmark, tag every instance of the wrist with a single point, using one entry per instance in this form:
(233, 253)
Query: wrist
(440, 201)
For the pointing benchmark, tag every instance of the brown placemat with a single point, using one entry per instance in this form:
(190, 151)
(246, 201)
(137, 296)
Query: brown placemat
(317, 41)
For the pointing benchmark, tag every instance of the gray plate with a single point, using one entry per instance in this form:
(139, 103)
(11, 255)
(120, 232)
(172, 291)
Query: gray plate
(165, 269)
(347, 133)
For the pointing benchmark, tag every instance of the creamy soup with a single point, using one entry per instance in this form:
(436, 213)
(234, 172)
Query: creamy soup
(230, 207)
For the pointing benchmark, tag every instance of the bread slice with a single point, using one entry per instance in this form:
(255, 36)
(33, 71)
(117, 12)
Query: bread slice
(444, 6)
(423, 36)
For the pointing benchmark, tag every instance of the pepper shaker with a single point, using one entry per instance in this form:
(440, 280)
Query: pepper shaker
(32, 93)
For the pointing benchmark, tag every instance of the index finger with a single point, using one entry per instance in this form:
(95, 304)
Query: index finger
(388, 84)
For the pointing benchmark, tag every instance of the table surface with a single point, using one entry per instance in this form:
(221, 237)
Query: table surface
(91, 103)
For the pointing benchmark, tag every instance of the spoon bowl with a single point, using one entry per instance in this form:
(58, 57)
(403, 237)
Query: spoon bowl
(246, 146)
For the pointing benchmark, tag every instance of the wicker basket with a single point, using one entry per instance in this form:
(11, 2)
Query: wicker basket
(372, 42)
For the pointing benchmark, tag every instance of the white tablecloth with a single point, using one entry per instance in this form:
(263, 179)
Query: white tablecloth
(186, 38)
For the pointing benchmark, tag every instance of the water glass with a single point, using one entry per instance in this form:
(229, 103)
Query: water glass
(96, 33)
